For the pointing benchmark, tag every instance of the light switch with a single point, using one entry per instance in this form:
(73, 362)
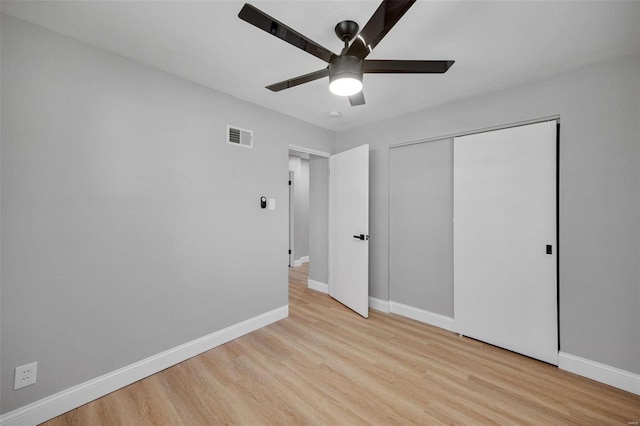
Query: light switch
(272, 203)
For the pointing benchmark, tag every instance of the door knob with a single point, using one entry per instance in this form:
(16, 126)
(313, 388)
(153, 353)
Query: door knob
(361, 237)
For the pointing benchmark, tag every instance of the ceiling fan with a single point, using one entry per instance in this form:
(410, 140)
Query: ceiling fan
(346, 69)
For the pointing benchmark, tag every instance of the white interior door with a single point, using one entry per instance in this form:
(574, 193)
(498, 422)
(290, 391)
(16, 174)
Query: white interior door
(349, 228)
(505, 282)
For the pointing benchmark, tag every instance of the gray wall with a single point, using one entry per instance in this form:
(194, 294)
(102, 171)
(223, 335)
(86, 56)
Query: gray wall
(302, 210)
(421, 226)
(319, 219)
(599, 242)
(300, 168)
(127, 221)
(378, 222)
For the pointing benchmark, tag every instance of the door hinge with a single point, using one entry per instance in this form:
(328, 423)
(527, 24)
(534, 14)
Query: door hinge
(289, 182)
(289, 251)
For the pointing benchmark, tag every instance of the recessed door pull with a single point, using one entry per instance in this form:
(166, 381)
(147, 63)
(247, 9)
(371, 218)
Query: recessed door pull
(361, 237)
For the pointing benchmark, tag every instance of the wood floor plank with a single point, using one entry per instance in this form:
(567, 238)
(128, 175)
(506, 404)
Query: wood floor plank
(327, 365)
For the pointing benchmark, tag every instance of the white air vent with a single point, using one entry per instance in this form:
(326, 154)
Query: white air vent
(240, 137)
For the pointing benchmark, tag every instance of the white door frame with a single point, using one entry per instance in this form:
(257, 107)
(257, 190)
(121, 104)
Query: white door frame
(308, 151)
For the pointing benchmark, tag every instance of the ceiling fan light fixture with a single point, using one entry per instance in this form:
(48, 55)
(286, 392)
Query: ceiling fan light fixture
(345, 75)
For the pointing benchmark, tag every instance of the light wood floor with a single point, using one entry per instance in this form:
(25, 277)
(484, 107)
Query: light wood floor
(326, 365)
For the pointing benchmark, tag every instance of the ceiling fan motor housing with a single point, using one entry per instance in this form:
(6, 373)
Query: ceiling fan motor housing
(346, 66)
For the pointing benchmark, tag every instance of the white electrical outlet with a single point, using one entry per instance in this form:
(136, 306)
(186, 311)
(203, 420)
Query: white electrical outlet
(25, 375)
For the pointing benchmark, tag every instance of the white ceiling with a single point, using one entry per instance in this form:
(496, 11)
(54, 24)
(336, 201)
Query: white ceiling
(495, 44)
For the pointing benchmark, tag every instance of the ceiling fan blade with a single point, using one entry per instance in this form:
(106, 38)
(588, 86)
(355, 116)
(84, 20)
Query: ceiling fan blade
(384, 18)
(276, 87)
(375, 66)
(276, 28)
(357, 99)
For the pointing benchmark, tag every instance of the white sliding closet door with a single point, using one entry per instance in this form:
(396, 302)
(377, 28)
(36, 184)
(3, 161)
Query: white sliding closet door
(505, 282)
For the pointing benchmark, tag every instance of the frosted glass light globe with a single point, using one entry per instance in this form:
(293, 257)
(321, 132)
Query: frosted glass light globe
(346, 86)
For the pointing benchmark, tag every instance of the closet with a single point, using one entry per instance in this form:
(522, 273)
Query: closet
(473, 230)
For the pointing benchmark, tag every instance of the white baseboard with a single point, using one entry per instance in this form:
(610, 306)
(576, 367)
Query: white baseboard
(379, 304)
(600, 372)
(603, 373)
(61, 402)
(317, 286)
(421, 315)
(299, 262)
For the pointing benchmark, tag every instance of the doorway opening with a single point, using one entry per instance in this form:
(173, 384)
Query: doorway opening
(308, 172)
(298, 208)
(335, 239)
